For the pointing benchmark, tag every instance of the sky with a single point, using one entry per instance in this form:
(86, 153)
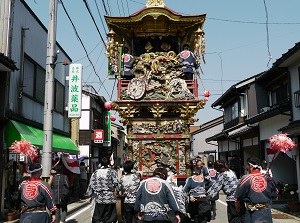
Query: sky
(243, 38)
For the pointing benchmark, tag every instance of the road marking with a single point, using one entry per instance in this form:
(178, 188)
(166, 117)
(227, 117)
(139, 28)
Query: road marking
(222, 202)
(77, 213)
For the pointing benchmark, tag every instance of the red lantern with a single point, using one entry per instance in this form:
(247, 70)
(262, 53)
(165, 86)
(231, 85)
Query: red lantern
(108, 105)
(113, 118)
(206, 94)
(205, 99)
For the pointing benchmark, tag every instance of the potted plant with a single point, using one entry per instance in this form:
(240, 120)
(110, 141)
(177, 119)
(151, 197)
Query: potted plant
(12, 208)
(12, 214)
(294, 204)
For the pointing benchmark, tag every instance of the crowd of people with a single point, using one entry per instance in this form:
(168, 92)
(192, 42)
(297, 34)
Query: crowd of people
(157, 199)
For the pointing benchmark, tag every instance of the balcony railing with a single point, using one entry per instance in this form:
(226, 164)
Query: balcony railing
(297, 98)
(231, 123)
(192, 85)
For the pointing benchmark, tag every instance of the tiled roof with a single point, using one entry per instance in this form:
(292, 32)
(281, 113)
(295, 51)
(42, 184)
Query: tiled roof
(7, 64)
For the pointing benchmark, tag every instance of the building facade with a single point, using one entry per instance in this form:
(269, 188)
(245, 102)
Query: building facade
(257, 108)
(24, 40)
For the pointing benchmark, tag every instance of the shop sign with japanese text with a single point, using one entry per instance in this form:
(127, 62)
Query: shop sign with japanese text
(75, 85)
(98, 135)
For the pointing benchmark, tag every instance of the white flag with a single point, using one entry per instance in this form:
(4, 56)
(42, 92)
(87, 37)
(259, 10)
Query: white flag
(111, 159)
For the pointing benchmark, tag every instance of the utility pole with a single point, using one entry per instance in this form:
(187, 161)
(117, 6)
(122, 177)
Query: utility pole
(49, 90)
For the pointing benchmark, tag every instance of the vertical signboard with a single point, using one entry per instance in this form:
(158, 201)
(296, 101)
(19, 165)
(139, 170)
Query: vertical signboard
(75, 82)
(107, 130)
(98, 135)
(115, 62)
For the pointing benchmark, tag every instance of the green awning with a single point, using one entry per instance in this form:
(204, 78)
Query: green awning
(18, 131)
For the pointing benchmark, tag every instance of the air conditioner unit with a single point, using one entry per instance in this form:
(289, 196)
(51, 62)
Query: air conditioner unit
(264, 109)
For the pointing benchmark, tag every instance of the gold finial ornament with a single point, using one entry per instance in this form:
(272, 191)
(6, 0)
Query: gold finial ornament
(199, 45)
(155, 3)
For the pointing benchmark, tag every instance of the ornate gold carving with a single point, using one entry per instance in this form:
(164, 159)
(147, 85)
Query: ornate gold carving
(126, 112)
(155, 3)
(158, 110)
(166, 46)
(148, 47)
(192, 121)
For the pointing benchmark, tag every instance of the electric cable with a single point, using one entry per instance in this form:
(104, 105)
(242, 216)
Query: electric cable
(108, 7)
(113, 89)
(123, 7)
(267, 30)
(104, 6)
(80, 40)
(95, 64)
(251, 22)
(137, 2)
(127, 7)
(100, 17)
(88, 53)
(118, 7)
(89, 10)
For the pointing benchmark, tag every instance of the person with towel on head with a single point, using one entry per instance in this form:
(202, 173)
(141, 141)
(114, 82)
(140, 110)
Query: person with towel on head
(36, 196)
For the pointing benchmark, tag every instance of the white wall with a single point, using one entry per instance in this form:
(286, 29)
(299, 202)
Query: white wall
(295, 82)
(282, 163)
(270, 126)
(198, 139)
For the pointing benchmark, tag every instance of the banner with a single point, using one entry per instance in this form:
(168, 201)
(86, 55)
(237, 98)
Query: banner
(107, 130)
(71, 163)
(115, 62)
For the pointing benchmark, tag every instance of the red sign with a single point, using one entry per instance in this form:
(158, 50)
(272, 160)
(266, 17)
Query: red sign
(98, 135)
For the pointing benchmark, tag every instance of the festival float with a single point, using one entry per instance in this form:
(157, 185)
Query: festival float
(155, 101)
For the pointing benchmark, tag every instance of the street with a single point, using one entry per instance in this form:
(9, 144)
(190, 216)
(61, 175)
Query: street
(83, 215)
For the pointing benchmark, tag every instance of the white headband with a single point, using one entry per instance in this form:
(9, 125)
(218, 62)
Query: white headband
(254, 166)
(35, 170)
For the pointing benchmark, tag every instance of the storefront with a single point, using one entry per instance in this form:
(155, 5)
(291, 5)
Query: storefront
(16, 165)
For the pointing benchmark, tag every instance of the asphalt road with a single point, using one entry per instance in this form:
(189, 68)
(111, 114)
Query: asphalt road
(81, 213)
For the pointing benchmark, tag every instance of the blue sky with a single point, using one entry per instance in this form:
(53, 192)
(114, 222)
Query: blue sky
(238, 42)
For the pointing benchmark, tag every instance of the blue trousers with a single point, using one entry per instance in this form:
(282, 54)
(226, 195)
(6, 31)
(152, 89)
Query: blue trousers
(260, 216)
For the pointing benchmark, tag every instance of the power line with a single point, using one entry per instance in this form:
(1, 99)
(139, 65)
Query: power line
(267, 29)
(96, 63)
(137, 2)
(104, 6)
(205, 79)
(77, 35)
(251, 22)
(108, 7)
(89, 10)
(113, 89)
(118, 7)
(127, 7)
(100, 16)
(123, 7)
(88, 53)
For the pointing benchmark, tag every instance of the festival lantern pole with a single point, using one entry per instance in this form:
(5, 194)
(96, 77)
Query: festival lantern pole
(280, 143)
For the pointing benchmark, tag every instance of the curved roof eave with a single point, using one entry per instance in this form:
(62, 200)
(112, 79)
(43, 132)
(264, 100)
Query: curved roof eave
(156, 10)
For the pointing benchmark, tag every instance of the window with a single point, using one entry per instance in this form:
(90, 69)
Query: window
(231, 112)
(279, 94)
(244, 107)
(33, 80)
(235, 111)
(59, 97)
(299, 77)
